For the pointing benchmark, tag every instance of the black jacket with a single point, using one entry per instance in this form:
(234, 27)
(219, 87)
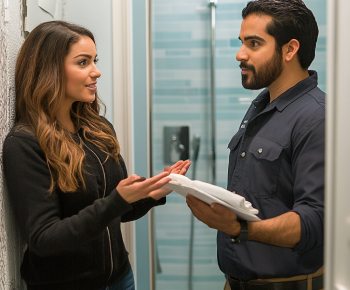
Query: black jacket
(73, 239)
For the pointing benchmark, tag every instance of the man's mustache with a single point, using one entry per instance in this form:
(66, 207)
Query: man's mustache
(247, 66)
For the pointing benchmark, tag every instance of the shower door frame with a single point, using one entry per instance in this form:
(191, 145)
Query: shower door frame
(337, 233)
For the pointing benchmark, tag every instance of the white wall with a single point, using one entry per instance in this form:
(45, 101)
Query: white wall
(97, 16)
(10, 40)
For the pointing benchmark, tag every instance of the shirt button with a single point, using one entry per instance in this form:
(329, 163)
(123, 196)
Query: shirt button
(260, 150)
(243, 154)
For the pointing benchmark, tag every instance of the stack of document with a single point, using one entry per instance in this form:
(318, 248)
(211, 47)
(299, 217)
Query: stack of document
(210, 193)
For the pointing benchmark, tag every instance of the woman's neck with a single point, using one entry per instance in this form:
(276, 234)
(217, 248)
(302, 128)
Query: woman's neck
(65, 120)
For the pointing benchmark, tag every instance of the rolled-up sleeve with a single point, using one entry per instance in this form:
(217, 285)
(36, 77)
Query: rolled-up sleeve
(308, 166)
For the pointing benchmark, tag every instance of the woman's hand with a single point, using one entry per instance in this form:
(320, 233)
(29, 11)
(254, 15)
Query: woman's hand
(179, 167)
(135, 187)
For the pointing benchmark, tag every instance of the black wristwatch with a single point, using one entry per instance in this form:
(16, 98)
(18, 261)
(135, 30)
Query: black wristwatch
(243, 234)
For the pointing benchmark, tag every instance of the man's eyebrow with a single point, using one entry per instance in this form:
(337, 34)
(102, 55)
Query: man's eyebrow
(252, 37)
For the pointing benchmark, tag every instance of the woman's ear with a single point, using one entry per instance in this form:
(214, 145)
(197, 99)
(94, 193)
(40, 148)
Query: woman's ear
(291, 49)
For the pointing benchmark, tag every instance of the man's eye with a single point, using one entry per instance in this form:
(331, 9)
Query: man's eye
(254, 43)
(96, 60)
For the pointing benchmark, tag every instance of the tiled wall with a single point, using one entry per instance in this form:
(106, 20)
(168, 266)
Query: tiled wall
(181, 97)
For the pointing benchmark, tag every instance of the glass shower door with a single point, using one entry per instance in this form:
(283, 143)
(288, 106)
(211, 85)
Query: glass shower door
(184, 248)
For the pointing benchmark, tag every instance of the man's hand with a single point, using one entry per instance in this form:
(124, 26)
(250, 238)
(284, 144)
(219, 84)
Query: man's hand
(216, 216)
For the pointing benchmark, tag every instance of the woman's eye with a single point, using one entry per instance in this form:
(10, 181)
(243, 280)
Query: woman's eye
(83, 62)
(96, 60)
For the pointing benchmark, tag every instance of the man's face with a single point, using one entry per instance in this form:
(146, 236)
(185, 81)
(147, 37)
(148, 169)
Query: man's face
(260, 62)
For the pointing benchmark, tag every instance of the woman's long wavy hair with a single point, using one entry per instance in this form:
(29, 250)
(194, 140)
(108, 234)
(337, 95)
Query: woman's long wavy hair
(40, 88)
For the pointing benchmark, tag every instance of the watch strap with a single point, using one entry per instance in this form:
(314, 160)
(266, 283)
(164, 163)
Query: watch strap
(243, 234)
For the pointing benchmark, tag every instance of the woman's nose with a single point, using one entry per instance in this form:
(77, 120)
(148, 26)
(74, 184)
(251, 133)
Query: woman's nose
(95, 73)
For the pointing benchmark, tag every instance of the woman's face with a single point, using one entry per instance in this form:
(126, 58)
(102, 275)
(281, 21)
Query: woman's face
(81, 71)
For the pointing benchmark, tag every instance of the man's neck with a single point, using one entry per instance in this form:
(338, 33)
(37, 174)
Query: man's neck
(287, 80)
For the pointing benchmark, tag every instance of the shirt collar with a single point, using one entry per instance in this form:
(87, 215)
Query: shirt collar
(290, 95)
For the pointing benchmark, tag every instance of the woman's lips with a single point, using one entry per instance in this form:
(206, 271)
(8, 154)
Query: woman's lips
(92, 87)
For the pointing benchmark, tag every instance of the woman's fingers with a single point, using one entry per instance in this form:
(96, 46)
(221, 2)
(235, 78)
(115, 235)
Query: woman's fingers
(159, 193)
(180, 167)
(154, 179)
(131, 179)
(174, 166)
(153, 183)
(136, 187)
(185, 167)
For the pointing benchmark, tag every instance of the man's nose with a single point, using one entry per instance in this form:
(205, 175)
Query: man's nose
(241, 54)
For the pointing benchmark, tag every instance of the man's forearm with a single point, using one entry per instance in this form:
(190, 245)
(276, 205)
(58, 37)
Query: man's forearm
(283, 231)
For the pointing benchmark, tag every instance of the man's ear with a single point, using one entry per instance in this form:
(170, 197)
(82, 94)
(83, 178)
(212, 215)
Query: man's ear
(291, 49)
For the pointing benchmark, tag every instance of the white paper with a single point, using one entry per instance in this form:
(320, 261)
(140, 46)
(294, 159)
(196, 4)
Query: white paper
(210, 193)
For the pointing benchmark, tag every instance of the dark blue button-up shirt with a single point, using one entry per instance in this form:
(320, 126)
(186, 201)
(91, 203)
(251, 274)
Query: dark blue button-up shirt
(277, 163)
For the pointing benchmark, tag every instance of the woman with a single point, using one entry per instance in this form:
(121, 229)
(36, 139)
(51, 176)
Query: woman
(65, 177)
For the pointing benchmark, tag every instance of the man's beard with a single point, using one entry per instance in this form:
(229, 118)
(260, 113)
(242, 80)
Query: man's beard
(267, 74)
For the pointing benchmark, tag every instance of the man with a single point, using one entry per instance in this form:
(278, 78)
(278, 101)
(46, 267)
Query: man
(276, 157)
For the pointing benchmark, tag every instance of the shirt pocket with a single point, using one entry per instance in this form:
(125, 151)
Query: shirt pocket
(264, 168)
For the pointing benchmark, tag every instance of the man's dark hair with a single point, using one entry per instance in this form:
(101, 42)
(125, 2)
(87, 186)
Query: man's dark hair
(291, 20)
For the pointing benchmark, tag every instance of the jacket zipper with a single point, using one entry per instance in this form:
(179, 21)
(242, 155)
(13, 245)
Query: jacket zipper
(104, 194)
